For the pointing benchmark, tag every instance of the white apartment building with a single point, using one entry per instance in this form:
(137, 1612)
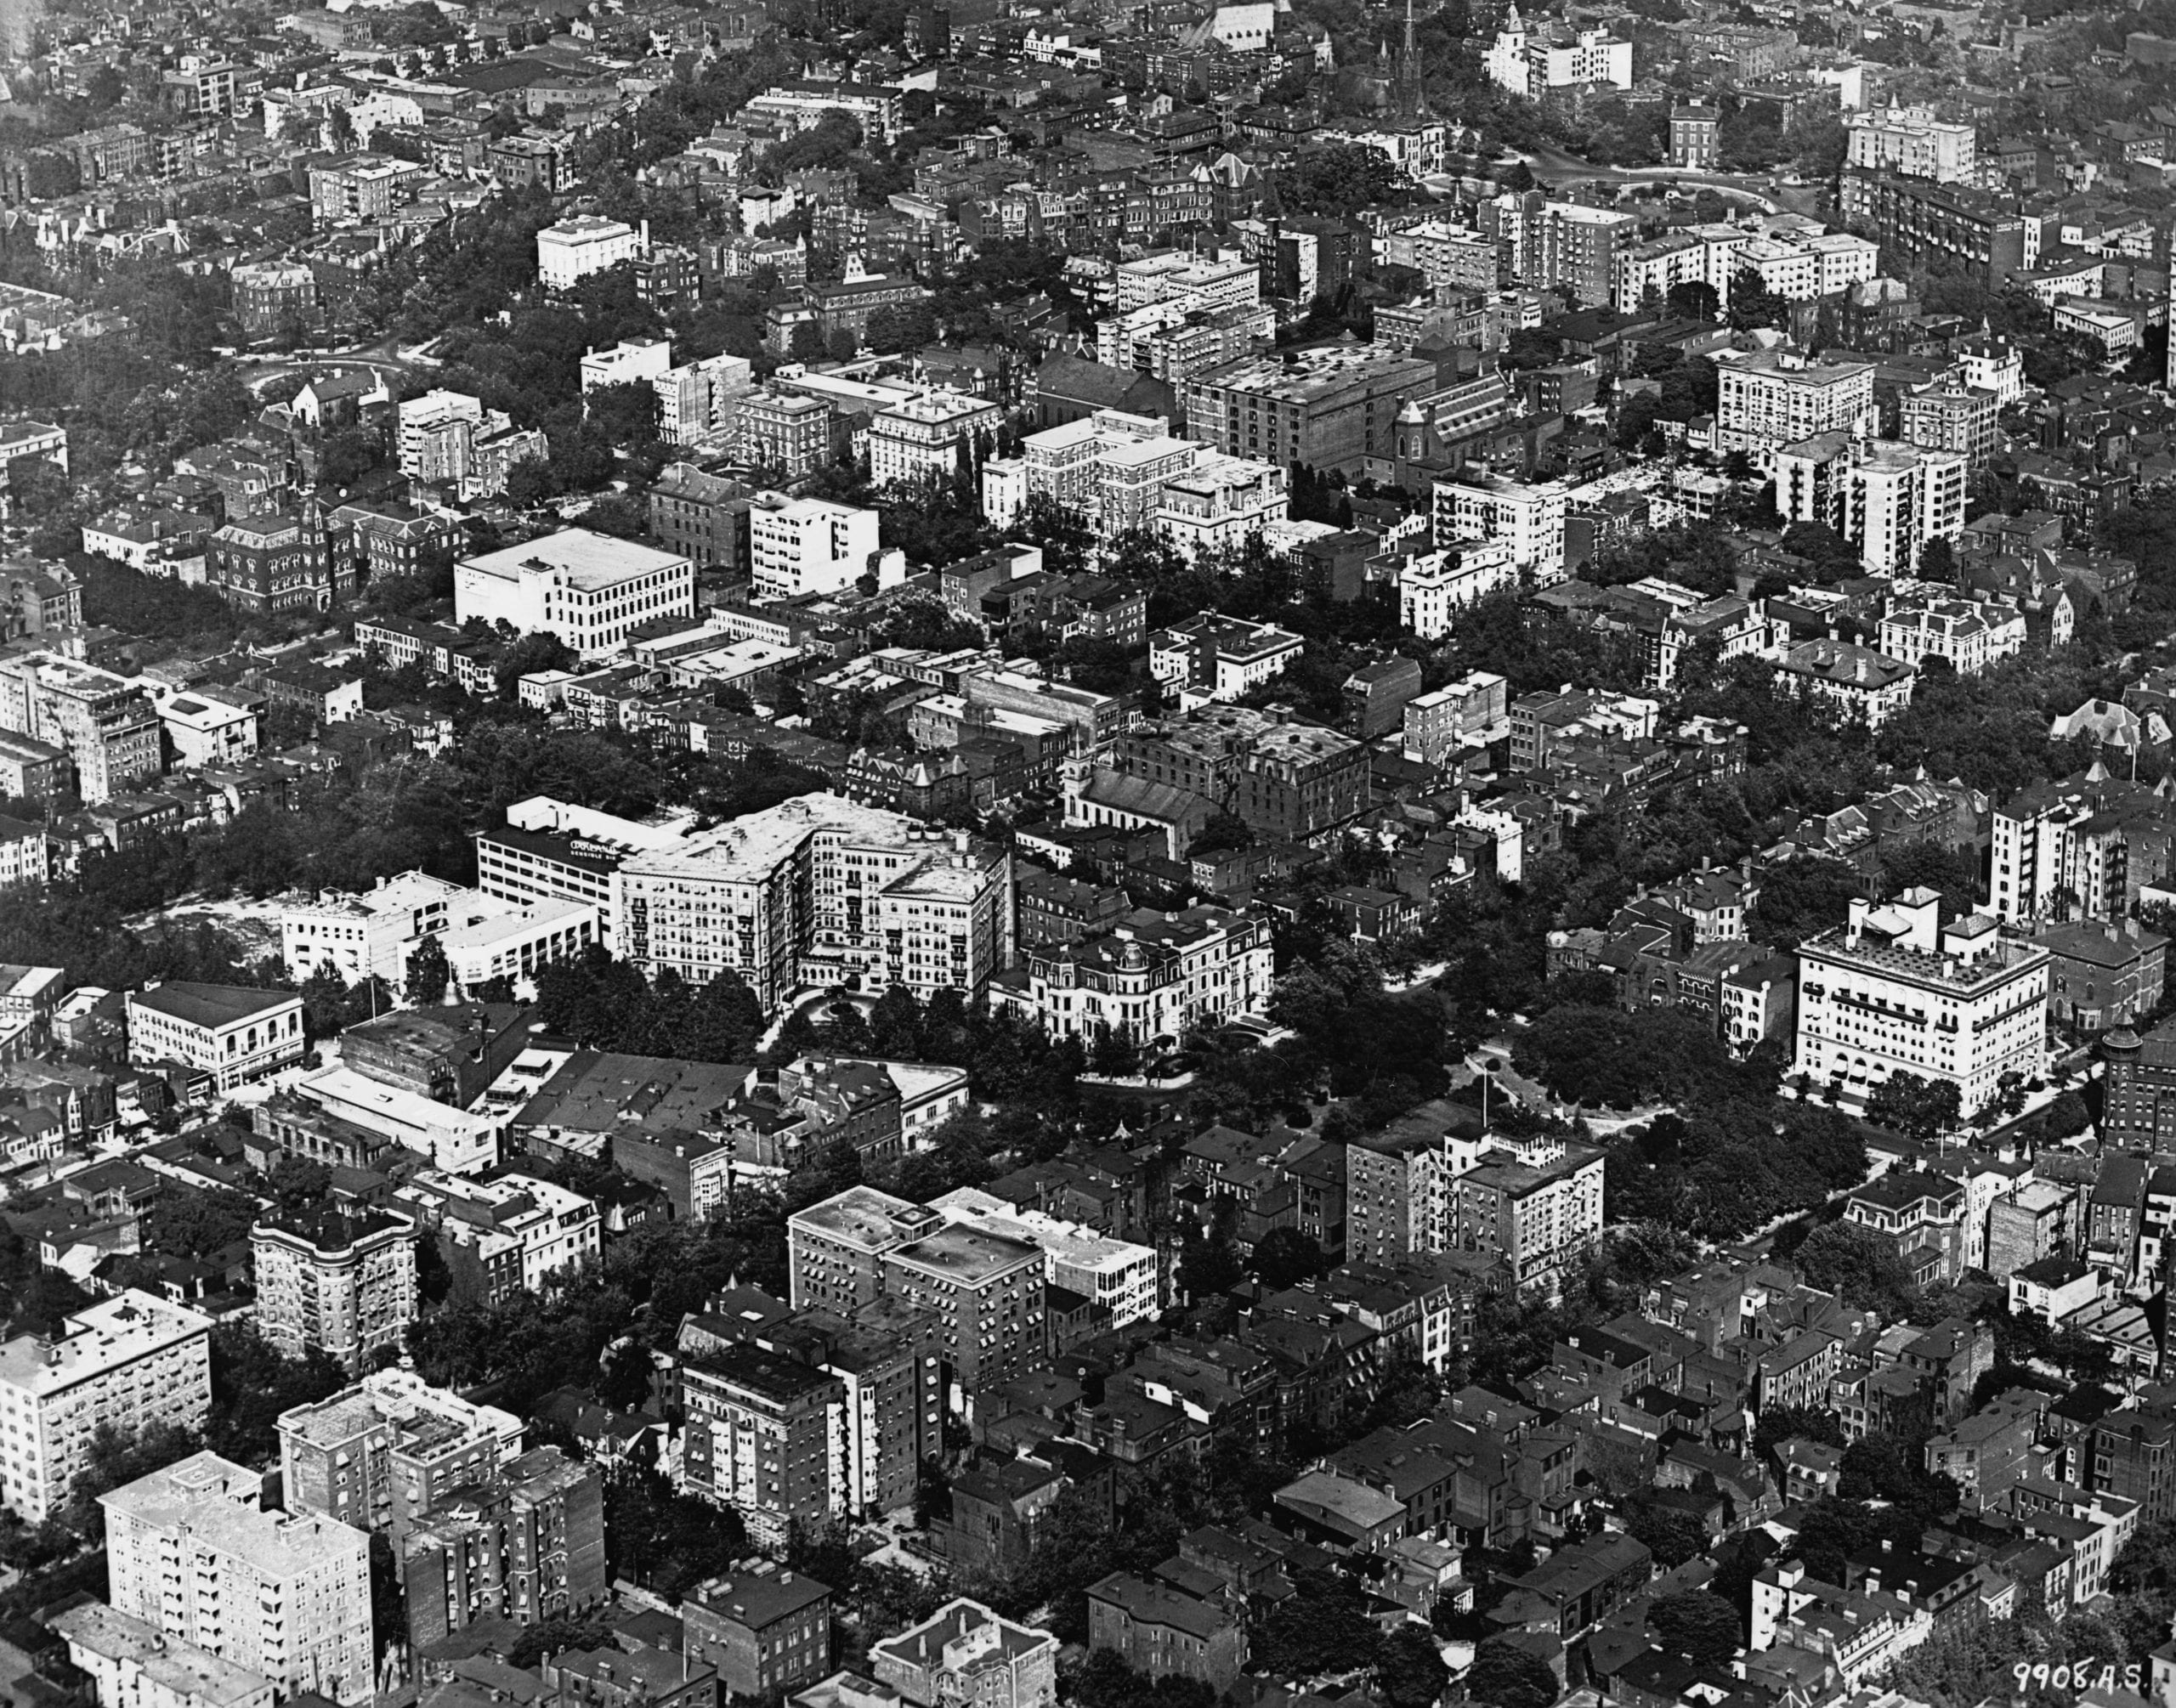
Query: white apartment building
(587, 243)
(798, 545)
(367, 935)
(1434, 586)
(920, 438)
(1994, 365)
(1222, 279)
(134, 1665)
(631, 362)
(1912, 142)
(1697, 255)
(1894, 991)
(1474, 709)
(128, 1363)
(588, 589)
(191, 1549)
(204, 728)
(1217, 658)
(1971, 634)
(521, 1231)
(1859, 682)
(1117, 1274)
(1846, 259)
(1774, 398)
(1154, 976)
(875, 106)
(1526, 519)
(1218, 505)
(1887, 498)
(440, 432)
(1530, 66)
(701, 400)
(230, 1031)
(816, 891)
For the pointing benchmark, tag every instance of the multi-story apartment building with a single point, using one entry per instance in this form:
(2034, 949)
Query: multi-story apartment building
(588, 589)
(502, 1237)
(341, 1285)
(230, 1031)
(1529, 64)
(1888, 499)
(1433, 587)
(126, 1364)
(381, 1454)
(1155, 976)
(1216, 657)
(1951, 417)
(762, 1437)
(1329, 408)
(1539, 1216)
(191, 1549)
(1774, 398)
(264, 565)
(1526, 518)
(699, 401)
(964, 1653)
(550, 849)
(1911, 143)
(1560, 245)
(924, 437)
(1113, 1274)
(834, 1249)
(876, 106)
(1220, 504)
(526, 1544)
(586, 243)
(1923, 223)
(785, 431)
(105, 724)
(820, 888)
(1894, 991)
(762, 1630)
(1920, 1214)
(2079, 848)
(1466, 711)
(800, 546)
(986, 1292)
(702, 516)
(1285, 779)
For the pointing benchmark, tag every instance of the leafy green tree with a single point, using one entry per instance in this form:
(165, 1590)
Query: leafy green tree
(1859, 1266)
(429, 972)
(1507, 1676)
(197, 1223)
(1410, 1669)
(1672, 1535)
(1920, 1108)
(1285, 1257)
(1697, 1624)
(1324, 1628)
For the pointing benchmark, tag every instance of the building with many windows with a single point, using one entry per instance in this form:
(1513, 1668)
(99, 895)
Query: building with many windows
(762, 1630)
(338, 1284)
(191, 1549)
(128, 1364)
(1433, 587)
(235, 1033)
(588, 589)
(106, 724)
(1894, 991)
(526, 1544)
(1331, 407)
(924, 437)
(759, 1438)
(1529, 64)
(1888, 499)
(581, 244)
(800, 546)
(820, 890)
(1911, 142)
(1774, 397)
(1154, 976)
(381, 1454)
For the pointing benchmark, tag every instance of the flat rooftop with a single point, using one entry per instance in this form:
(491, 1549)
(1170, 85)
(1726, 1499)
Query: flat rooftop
(592, 563)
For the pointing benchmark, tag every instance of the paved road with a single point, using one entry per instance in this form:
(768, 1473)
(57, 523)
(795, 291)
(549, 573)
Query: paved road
(384, 356)
(1562, 169)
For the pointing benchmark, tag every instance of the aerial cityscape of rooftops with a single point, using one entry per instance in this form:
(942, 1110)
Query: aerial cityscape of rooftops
(1087, 854)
